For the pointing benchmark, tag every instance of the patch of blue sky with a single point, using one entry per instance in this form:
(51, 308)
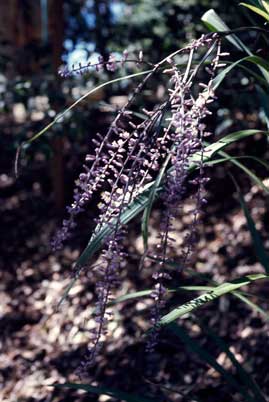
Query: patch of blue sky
(89, 17)
(117, 9)
(80, 54)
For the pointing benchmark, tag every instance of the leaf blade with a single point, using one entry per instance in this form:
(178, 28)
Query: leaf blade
(123, 396)
(256, 10)
(244, 375)
(207, 297)
(215, 24)
(195, 347)
(255, 235)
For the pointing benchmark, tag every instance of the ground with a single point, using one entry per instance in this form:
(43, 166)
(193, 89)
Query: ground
(42, 346)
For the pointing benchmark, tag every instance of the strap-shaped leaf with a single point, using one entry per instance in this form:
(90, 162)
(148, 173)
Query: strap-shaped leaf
(214, 23)
(207, 357)
(249, 172)
(209, 296)
(265, 4)
(251, 59)
(123, 396)
(60, 116)
(256, 10)
(255, 235)
(243, 374)
(148, 292)
(251, 304)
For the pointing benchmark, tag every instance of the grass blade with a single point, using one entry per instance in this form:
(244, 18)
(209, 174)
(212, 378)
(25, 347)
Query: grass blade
(258, 61)
(255, 235)
(123, 396)
(86, 95)
(228, 158)
(147, 292)
(244, 375)
(252, 175)
(215, 24)
(256, 10)
(195, 347)
(252, 305)
(209, 296)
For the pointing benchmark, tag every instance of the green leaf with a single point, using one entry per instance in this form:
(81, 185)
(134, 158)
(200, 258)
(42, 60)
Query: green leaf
(152, 195)
(244, 375)
(249, 172)
(258, 61)
(217, 146)
(195, 288)
(123, 396)
(265, 4)
(215, 24)
(205, 298)
(252, 305)
(256, 10)
(147, 292)
(59, 116)
(195, 347)
(255, 235)
(229, 157)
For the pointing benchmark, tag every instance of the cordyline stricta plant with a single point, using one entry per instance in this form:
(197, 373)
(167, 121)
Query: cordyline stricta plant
(132, 154)
(144, 155)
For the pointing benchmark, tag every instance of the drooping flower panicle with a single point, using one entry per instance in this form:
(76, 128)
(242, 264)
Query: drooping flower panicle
(111, 64)
(130, 155)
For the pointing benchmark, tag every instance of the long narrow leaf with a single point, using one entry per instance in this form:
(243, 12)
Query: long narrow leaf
(258, 61)
(252, 305)
(265, 5)
(249, 172)
(148, 292)
(195, 347)
(214, 23)
(229, 157)
(123, 396)
(256, 10)
(86, 95)
(255, 235)
(244, 375)
(207, 297)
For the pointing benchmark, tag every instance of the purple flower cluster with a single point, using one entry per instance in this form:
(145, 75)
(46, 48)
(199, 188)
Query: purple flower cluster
(108, 273)
(186, 134)
(111, 64)
(130, 155)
